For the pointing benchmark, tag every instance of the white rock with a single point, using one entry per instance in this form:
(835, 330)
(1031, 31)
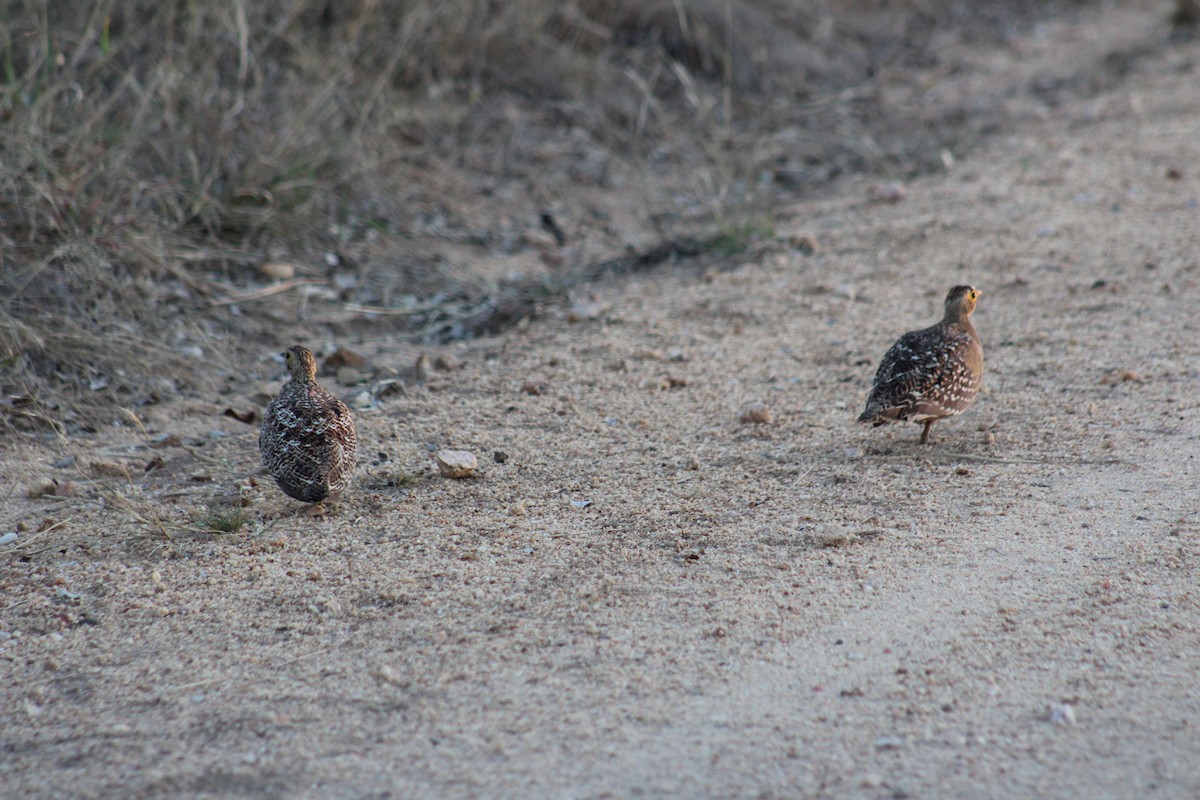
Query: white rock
(388, 674)
(456, 463)
(831, 534)
(350, 376)
(589, 309)
(1062, 714)
(846, 291)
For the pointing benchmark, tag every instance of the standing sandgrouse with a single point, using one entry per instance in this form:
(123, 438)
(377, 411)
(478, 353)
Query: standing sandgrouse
(307, 440)
(931, 373)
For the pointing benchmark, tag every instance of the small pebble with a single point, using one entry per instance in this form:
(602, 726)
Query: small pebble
(846, 291)
(591, 309)
(1062, 714)
(888, 743)
(8, 538)
(757, 413)
(109, 469)
(805, 243)
(388, 387)
(831, 534)
(887, 192)
(388, 674)
(278, 271)
(350, 376)
(447, 362)
(456, 463)
(500, 457)
(343, 358)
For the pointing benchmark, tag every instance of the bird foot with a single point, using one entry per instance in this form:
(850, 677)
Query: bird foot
(925, 432)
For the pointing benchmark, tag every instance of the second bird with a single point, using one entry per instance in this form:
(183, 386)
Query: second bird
(932, 373)
(308, 441)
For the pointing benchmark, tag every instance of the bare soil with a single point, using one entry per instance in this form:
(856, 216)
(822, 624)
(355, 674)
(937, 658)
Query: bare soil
(649, 597)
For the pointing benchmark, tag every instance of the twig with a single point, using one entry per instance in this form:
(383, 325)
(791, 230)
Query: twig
(267, 291)
(23, 545)
(803, 475)
(394, 312)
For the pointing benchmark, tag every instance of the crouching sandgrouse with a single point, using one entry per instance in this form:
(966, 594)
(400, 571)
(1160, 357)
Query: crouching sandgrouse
(932, 373)
(307, 440)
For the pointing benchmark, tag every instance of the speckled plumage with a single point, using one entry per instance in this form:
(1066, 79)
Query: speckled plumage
(307, 439)
(932, 373)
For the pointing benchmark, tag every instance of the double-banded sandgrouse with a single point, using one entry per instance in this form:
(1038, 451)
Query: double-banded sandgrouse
(931, 373)
(307, 440)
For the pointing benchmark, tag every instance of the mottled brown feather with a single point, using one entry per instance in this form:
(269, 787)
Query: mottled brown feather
(932, 373)
(307, 440)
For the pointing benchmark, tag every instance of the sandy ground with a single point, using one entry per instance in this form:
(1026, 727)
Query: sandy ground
(650, 598)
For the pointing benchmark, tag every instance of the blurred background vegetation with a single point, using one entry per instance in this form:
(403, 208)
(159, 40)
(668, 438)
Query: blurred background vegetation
(164, 161)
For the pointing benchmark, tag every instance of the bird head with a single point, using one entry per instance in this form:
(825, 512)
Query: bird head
(960, 302)
(300, 363)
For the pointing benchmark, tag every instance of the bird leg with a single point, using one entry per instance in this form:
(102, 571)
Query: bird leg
(925, 433)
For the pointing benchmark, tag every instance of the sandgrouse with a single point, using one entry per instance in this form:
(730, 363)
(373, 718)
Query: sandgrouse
(931, 373)
(307, 440)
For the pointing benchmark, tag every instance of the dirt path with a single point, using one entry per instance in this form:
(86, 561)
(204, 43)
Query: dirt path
(652, 599)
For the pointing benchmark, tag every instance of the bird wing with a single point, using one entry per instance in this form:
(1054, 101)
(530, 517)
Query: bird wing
(913, 368)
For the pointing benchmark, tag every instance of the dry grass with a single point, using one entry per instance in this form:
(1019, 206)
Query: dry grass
(157, 154)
